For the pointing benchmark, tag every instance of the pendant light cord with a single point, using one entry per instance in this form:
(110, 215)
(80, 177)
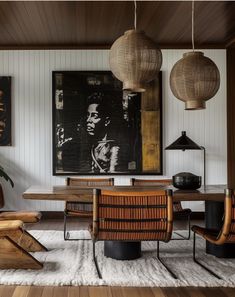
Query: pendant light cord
(193, 25)
(135, 15)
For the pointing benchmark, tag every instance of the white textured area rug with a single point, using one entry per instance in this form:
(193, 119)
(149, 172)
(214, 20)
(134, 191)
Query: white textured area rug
(71, 263)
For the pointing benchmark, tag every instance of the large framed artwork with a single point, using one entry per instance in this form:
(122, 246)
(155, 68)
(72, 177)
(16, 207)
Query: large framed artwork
(100, 130)
(5, 110)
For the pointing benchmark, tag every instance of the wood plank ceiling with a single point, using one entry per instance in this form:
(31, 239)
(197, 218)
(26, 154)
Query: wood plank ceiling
(96, 24)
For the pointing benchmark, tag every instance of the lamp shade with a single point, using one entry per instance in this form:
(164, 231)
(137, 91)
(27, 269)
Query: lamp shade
(135, 60)
(183, 143)
(194, 79)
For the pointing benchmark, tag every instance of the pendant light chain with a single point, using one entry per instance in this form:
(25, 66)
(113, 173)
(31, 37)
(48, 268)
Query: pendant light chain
(193, 25)
(135, 15)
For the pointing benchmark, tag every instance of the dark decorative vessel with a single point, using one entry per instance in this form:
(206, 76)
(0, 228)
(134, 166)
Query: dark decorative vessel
(186, 181)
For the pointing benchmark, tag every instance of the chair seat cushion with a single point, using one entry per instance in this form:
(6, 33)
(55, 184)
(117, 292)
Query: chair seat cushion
(11, 225)
(209, 234)
(25, 216)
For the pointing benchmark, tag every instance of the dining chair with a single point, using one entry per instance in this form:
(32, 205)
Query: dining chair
(132, 216)
(178, 211)
(81, 209)
(225, 235)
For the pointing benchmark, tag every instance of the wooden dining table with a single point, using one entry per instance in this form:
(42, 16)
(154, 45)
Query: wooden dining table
(85, 193)
(213, 195)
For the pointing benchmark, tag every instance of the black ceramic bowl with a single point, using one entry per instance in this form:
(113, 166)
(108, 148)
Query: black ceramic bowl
(186, 181)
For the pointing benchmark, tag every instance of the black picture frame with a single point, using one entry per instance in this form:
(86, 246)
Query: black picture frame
(126, 140)
(5, 111)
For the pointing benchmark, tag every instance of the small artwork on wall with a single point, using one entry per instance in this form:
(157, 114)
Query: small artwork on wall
(99, 129)
(5, 110)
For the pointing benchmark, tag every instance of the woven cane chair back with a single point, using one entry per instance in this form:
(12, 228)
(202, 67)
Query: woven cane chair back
(133, 216)
(83, 208)
(73, 181)
(177, 206)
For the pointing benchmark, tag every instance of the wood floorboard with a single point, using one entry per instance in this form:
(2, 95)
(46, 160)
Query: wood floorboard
(21, 291)
(84, 292)
(195, 292)
(35, 291)
(215, 292)
(74, 292)
(8, 291)
(130, 292)
(116, 292)
(60, 291)
(99, 292)
(229, 292)
(157, 292)
(104, 291)
(147, 292)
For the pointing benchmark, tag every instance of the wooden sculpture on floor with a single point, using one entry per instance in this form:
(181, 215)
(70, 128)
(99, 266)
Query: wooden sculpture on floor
(15, 241)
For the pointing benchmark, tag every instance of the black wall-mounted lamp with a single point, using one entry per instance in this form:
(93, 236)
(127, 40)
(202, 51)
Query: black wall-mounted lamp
(185, 143)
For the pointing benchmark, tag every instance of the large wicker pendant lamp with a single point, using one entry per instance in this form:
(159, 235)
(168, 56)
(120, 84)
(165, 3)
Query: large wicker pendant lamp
(135, 59)
(195, 78)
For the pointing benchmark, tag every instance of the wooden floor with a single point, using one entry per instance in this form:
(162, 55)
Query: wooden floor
(27, 291)
(66, 291)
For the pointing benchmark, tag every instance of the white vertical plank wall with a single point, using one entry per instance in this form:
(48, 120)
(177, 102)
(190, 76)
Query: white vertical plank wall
(29, 159)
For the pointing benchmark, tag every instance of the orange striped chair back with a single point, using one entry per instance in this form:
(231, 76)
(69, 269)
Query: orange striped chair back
(83, 209)
(177, 206)
(74, 181)
(133, 216)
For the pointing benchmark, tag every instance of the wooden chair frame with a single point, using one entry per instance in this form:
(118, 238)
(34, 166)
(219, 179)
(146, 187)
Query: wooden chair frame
(96, 220)
(75, 181)
(224, 234)
(167, 182)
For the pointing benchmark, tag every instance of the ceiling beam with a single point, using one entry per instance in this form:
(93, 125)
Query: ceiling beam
(103, 46)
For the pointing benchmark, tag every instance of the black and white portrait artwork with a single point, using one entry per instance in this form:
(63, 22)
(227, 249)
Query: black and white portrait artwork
(96, 127)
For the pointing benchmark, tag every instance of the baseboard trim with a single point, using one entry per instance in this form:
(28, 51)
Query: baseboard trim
(198, 215)
(50, 215)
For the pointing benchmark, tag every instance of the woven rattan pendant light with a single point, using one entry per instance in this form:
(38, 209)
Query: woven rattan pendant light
(135, 59)
(195, 78)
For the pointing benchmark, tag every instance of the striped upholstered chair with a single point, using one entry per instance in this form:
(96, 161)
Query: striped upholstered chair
(178, 211)
(225, 235)
(132, 216)
(82, 209)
